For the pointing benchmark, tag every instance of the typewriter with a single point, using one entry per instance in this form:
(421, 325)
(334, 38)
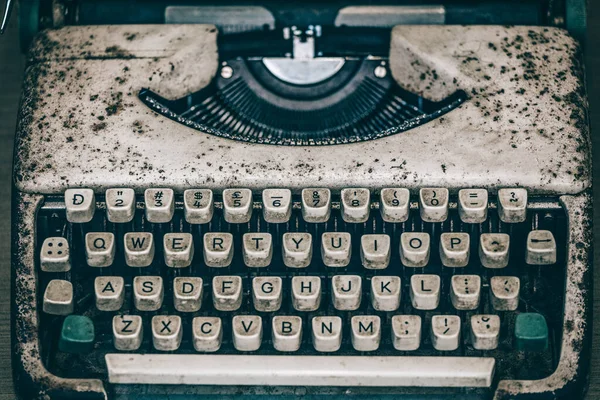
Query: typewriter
(310, 200)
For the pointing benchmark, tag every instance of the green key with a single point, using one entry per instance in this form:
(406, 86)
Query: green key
(77, 335)
(531, 332)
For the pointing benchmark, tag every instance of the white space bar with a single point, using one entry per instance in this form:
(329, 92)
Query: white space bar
(200, 369)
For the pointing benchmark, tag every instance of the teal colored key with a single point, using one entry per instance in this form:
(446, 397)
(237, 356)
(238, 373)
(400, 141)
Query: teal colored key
(531, 332)
(77, 335)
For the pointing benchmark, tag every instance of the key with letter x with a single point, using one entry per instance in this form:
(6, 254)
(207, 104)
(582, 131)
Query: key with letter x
(166, 332)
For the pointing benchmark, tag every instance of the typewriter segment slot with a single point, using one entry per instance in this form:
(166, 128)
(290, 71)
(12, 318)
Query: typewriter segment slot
(312, 86)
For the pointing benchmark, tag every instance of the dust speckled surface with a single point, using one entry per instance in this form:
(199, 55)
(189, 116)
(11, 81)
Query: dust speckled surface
(83, 125)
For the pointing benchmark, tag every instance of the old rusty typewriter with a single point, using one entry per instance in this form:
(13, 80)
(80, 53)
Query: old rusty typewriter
(316, 200)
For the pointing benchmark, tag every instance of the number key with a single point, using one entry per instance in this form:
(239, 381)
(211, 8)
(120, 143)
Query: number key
(433, 204)
(198, 205)
(316, 205)
(356, 205)
(237, 205)
(394, 204)
(160, 205)
(120, 205)
(277, 205)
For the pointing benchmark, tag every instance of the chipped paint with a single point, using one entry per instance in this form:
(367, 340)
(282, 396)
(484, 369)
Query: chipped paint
(82, 123)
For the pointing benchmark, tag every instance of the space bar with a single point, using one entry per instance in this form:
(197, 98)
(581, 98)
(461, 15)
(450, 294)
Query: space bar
(199, 369)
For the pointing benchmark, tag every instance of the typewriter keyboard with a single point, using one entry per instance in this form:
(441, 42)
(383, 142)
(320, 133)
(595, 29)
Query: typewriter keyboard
(315, 273)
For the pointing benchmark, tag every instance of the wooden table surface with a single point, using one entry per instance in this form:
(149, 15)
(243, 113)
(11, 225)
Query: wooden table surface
(11, 67)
